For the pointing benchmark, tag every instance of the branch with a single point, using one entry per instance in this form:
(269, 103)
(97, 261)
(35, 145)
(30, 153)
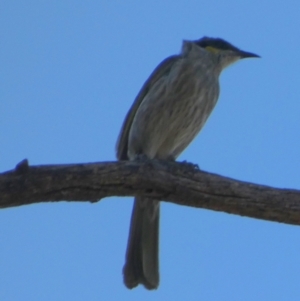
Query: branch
(174, 182)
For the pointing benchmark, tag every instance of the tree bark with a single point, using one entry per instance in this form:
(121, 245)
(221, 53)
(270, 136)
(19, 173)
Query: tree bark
(179, 183)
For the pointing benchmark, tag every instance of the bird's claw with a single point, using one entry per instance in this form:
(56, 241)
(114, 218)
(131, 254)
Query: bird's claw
(190, 165)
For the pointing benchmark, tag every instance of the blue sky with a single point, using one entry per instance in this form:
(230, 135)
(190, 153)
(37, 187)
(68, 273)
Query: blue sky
(70, 71)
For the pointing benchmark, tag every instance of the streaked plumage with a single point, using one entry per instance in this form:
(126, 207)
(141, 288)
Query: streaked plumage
(167, 114)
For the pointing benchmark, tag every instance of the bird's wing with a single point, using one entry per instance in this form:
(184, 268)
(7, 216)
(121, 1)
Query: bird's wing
(163, 68)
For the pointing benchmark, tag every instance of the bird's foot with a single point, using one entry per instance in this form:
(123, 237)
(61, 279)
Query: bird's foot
(190, 166)
(141, 158)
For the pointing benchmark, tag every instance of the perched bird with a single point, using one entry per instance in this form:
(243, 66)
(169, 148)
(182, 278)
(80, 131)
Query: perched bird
(167, 114)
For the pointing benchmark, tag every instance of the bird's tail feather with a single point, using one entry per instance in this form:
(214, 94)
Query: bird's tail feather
(141, 264)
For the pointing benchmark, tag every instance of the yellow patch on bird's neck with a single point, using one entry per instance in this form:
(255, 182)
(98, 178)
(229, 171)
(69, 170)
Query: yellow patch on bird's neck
(212, 49)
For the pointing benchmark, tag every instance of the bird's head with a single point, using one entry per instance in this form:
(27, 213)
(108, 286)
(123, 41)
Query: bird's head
(225, 52)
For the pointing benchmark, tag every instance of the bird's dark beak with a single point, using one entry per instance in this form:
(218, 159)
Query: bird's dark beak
(245, 54)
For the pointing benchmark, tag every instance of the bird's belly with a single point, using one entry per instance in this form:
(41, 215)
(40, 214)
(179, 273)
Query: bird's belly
(186, 123)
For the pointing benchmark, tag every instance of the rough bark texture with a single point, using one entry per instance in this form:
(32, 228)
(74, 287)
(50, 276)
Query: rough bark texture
(179, 183)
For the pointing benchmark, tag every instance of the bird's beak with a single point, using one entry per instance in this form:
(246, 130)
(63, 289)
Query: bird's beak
(245, 54)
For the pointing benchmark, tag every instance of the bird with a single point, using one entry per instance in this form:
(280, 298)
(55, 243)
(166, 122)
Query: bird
(166, 115)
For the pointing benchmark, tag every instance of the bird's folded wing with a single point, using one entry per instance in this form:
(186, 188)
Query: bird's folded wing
(163, 68)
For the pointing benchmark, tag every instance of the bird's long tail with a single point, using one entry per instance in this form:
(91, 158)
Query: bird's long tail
(141, 265)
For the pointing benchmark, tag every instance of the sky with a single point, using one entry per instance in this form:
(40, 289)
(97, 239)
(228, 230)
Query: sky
(70, 71)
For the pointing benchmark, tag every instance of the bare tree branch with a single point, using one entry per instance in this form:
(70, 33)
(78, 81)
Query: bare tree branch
(174, 182)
